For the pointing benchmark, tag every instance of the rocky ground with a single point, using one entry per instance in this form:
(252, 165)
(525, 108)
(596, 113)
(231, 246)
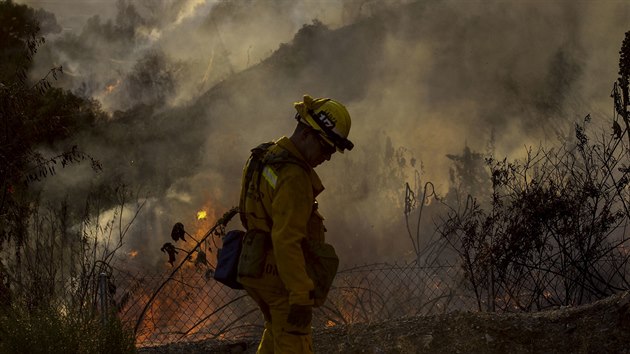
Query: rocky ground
(600, 327)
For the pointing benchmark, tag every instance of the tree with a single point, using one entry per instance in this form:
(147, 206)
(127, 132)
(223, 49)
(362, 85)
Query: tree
(33, 115)
(468, 176)
(554, 232)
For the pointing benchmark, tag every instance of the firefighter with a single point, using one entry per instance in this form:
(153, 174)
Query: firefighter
(279, 212)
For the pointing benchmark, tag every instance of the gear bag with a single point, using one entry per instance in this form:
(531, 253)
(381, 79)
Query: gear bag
(254, 253)
(228, 259)
(321, 265)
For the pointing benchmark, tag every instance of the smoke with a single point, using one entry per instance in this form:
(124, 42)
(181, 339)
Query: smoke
(199, 83)
(200, 42)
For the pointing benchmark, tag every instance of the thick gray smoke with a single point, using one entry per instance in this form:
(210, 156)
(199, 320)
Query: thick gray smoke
(175, 50)
(421, 80)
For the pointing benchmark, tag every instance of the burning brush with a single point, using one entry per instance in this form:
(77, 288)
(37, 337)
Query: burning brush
(178, 233)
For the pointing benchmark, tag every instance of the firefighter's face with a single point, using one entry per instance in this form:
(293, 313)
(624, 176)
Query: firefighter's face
(320, 150)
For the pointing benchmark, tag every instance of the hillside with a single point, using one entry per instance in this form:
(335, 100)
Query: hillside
(600, 327)
(417, 79)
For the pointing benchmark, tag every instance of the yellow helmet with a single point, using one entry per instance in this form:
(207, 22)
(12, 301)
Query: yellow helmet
(329, 117)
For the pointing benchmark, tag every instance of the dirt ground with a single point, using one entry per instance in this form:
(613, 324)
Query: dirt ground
(600, 327)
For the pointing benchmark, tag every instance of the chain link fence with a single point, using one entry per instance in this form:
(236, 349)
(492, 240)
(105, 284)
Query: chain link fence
(192, 306)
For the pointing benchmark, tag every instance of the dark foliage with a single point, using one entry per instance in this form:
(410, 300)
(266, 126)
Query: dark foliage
(554, 231)
(34, 116)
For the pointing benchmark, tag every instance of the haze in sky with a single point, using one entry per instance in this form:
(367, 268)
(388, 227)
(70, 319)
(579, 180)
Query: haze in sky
(421, 79)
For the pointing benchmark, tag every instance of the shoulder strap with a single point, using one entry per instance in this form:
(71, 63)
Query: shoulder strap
(257, 161)
(284, 157)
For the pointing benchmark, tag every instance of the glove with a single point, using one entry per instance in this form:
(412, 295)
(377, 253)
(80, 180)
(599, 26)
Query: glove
(300, 315)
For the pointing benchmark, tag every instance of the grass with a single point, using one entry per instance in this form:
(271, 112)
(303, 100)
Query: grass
(53, 331)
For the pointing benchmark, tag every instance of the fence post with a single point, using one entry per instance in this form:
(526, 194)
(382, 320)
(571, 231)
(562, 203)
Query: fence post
(102, 292)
